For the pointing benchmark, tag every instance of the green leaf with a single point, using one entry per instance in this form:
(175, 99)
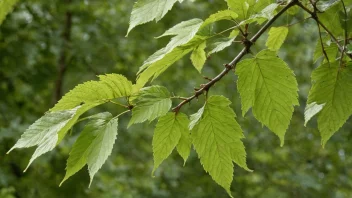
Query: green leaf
(109, 87)
(331, 85)
(167, 136)
(240, 7)
(183, 33)
(330, 48)
(147, 10)
(74, 119)
(184, 145)
(198, 56)
(247, 8)
(184, 28)
(217, 138)
(349, 48)
(44, 132)
(93, 146)
(293, 10)
(311, 110)
(220, 44)
(6, 6)
(221, 15)
(331, 19)
(277, 36)
(234, 33)
(151, 102)
(266, 14)
(269, 86)
(183, 42)
(154, 69)
(257, 6)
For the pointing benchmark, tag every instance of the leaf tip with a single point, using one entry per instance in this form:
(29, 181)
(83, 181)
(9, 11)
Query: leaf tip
(249, 170)
(323, 143)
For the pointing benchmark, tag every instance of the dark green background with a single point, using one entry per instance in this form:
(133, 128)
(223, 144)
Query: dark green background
(31, 43)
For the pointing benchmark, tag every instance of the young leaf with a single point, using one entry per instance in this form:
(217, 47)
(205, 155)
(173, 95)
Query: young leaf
(221, 15)
(198, 56)
(267, 84)
(331, 85)
(219, 44)
(240, 7)
(234, 33)
(44, 132)
(266, 14)
(109, 87)
(151, 102)
(184, 28)
(154, 69)
(277, 36)
(93, 146)
(217, 138)
(6, 6)
(182, 32)
(147, 10)
(167, 136)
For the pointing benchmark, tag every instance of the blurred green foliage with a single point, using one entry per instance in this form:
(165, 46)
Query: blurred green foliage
(31, 44)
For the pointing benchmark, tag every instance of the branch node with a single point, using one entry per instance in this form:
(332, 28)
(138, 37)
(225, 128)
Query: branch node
(207, 78)
(228, 66)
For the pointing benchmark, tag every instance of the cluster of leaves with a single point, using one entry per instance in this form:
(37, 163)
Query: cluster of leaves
(265, 83)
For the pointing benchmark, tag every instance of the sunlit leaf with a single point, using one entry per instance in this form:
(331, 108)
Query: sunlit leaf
(269, 86)
(151, 102)
(167, 135)
(277, 36)
(6, 6)
(198, 56)
(43, 133)
(148, 10)
(109, 87)
(93, 146)
(216, 137)
(330, 87)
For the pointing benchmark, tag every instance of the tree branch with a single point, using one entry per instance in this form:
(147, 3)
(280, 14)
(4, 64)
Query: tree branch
(232, 64)
(62, 62)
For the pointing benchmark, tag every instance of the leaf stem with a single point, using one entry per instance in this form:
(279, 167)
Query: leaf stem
(122, 105)
(121, 113)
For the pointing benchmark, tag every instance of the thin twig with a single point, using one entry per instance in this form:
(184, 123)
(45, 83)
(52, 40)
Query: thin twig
(315, 17)
(232, 64)
(322, 44)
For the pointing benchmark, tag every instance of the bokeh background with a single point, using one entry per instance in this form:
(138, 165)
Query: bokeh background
(48, 47)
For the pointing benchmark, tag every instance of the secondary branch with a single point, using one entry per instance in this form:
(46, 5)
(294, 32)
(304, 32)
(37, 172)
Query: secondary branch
(315, 17)
(232, 64)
